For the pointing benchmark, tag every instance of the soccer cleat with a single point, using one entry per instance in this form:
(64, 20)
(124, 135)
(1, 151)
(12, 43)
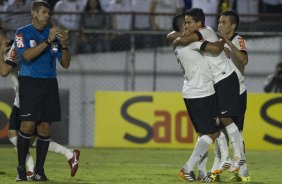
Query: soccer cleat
(187, 176)
(201, 175)
(73, 162)
(21, 176)
(29, 175)
(210, 178)
(223, 166)
(236, 177)
(236, 164)
(39, 177)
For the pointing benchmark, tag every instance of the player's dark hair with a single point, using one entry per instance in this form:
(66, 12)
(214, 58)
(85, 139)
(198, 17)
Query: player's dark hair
(38, 3)
(233, 17)
(177, 21)
(197, 14)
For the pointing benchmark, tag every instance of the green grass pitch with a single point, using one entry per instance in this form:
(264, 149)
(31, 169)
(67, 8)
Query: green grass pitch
(135, 166)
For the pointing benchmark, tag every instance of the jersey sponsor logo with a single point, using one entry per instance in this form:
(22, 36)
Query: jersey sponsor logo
(32, 43)
(19, 40)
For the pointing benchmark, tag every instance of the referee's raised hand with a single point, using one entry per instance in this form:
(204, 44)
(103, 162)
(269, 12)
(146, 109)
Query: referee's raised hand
(53, 33)
(63, 36)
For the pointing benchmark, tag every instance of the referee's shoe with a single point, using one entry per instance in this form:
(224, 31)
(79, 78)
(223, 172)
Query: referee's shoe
(39, 177)
(21, 174)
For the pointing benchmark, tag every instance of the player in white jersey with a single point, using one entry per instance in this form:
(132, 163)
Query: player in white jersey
(199, 97)
(9, 65)
(236, 54)
(225, 79)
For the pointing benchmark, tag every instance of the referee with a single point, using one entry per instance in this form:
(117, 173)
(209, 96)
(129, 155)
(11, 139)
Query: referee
(39, 47)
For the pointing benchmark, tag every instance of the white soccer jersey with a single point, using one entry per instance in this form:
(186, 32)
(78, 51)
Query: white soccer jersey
(220, 69)
(240, 43)
(12, 56)
(198, 82)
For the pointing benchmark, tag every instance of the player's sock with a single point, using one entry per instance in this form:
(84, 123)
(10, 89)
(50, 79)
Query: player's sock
(217, 157)
(235, 138)
(41, 152)
(29, 162)
(202, 166)
(14, 140)
(201, 147)
(243, 171)
(223, 147)
(23, 147)
(57, 148)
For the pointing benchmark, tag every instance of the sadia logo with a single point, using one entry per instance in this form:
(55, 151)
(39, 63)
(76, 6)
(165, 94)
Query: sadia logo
(5, 111)
(271, 120)
(180, 120)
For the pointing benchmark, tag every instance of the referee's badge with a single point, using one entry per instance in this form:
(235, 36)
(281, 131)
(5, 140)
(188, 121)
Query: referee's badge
(32, 43)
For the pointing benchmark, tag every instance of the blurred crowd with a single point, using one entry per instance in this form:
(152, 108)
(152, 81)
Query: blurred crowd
(88, 20)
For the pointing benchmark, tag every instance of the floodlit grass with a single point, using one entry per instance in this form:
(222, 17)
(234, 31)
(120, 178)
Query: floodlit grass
(135, 166)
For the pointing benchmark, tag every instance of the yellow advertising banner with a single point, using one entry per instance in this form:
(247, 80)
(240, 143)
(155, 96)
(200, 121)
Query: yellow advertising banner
(160, 120)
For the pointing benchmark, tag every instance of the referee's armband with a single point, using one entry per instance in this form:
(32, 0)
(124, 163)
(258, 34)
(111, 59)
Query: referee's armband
(204, 45)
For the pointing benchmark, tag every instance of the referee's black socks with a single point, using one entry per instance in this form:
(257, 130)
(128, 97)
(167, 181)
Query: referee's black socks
(23, 147)
(41, 152)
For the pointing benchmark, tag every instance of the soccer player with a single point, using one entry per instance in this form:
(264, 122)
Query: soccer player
(39, 47)
(236, 53)
(225, 79)
(199, 97)
(9, 65)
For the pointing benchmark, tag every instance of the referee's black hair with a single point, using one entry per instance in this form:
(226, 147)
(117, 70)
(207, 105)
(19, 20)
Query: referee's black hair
(38, 3)
(177, 21)
(197, 14)
(233, 17)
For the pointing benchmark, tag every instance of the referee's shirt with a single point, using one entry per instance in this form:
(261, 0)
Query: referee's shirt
(43, 66)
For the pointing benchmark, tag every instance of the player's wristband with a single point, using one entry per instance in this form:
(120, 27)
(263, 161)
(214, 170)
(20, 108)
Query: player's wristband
(203, 46)
(65, 48)
(47, 41)
(11, 63)
(200, 36)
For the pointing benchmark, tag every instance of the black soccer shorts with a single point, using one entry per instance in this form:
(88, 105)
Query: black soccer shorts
(203, 114)
(227, 96)
(39, 100)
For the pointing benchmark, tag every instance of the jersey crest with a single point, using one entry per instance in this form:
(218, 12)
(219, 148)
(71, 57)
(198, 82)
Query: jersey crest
(20, 40)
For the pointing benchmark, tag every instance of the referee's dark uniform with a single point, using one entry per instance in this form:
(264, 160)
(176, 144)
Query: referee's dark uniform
(38, 87)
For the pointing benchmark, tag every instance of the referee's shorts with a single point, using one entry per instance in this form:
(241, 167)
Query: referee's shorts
(39, 100)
